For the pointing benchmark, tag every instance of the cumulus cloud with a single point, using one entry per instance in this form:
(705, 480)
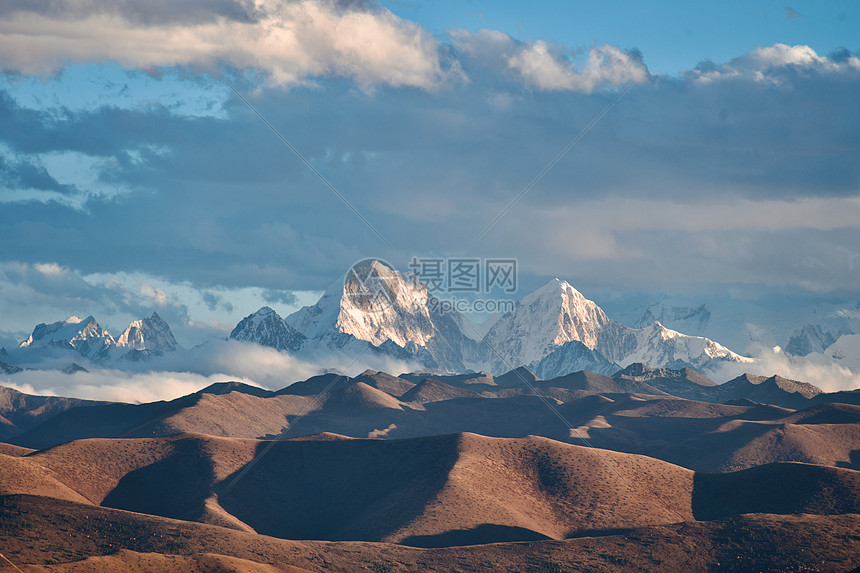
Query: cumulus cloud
(771, 63)
(288, 41)
(548, 67)
(605, 66)
(271, 368)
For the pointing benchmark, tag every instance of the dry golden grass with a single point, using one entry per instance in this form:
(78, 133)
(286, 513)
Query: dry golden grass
(17, 451)
(125, 561)
(431, 491)
(55, 535)
(23, 476)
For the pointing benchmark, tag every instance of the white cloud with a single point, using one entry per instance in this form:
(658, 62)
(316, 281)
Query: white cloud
(183, 372)
(824, 372)
(113, 385)
(546, 66)
(765, 63)
(289, 41)
(605, 66)
(784, 55)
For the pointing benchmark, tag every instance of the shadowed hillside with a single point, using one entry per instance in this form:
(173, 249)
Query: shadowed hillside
(54, 535)
(623, 413)
(429, 491)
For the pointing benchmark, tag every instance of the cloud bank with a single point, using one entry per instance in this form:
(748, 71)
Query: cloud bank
(183, 372)
(288, 41)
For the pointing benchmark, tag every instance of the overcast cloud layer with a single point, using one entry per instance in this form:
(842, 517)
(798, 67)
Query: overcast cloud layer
(133, 179)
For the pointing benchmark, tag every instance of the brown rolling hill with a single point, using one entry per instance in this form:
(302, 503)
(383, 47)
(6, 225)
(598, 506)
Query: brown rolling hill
(22, 476)
(43, 534)
(715, 437)
(697, 435)
(477, 382)
(16, 451)
(235, 413)
(389, 384)
(431, 390)
(683, 383)
(601, 384)
(452, 489)
(768, 390)
(19, 411)
(125, 561)
(467, 472)
(434, 491)
(620, 413)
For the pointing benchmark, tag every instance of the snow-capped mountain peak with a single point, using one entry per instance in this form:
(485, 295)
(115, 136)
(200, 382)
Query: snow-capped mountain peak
(380, 304)
(83, 335)
(374, 303)
(542, 321)
(151, 334)
(658, 345)
(392, 311)
(267, 328)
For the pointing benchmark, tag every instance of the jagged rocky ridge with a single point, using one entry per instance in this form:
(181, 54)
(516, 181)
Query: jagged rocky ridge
(267, 328)
(143, 338)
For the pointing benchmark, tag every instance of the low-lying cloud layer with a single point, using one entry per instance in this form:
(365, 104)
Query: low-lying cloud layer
(183, 372)
(824, 372)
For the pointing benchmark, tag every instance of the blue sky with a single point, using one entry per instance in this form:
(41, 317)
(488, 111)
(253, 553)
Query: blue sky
(133, 179)
(675, 35)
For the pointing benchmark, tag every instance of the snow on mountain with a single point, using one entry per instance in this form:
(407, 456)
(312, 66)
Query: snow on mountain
(267, 328)
(391, 311)
(845, 352)
(476, 330)
(152, 335)
(539, 330)
(824, 329)
(744, 324)
(85, 336)
(541, 322)
(375, 304)
(658, 346)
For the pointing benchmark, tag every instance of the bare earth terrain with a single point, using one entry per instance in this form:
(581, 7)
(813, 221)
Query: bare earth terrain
(437, 473)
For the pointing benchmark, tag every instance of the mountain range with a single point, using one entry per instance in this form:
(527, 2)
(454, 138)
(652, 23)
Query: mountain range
(377, 404)
(798, 330)
(146, 337)
(381, 312)
(554, 330)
